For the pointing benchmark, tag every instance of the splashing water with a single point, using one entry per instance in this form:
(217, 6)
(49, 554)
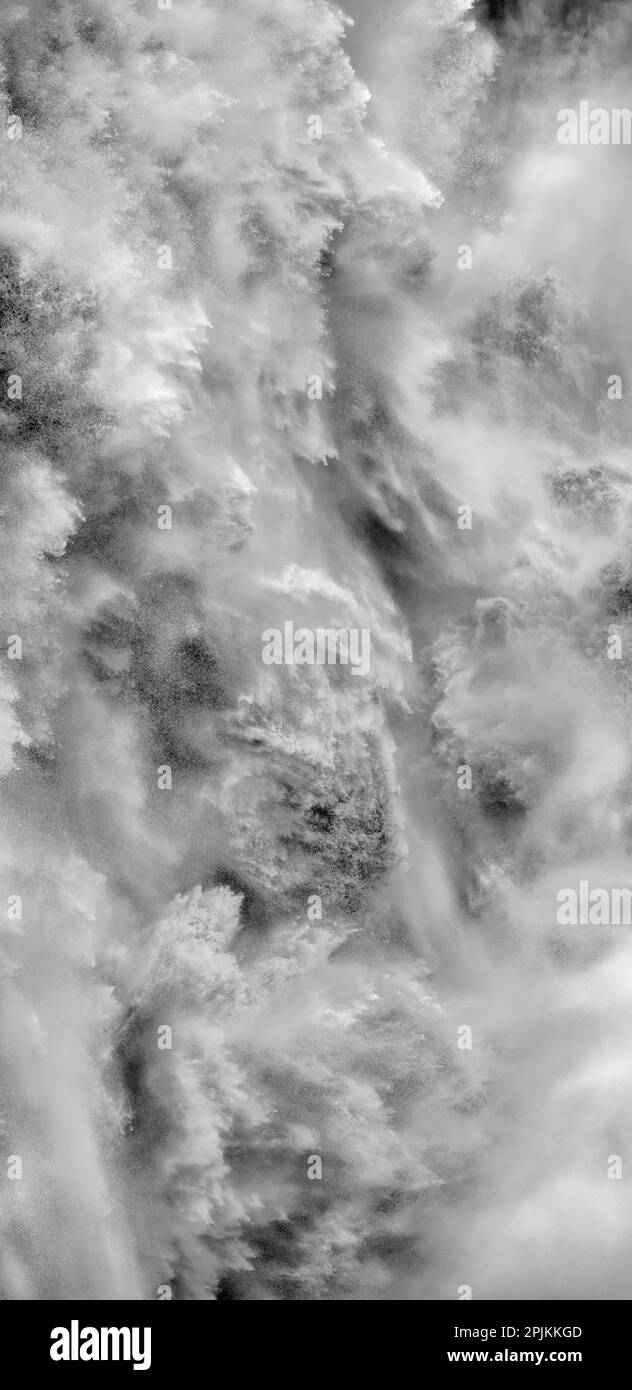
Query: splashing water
(204, 208)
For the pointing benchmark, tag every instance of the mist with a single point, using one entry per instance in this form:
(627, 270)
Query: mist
(309, 317)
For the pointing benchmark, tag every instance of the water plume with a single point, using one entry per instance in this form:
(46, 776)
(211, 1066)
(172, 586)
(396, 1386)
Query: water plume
(253, 908)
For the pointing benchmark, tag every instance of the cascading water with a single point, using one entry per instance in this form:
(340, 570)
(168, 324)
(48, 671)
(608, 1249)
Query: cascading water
(287, 1009)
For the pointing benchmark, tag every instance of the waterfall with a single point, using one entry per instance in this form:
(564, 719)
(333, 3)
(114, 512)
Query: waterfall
(315, 324)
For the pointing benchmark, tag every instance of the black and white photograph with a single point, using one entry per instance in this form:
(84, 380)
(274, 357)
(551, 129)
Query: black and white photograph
(316, 665)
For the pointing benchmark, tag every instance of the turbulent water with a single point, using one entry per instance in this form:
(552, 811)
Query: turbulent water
(204, 209)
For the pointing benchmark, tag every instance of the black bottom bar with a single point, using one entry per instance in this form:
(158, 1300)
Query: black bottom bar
(161, 1340)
